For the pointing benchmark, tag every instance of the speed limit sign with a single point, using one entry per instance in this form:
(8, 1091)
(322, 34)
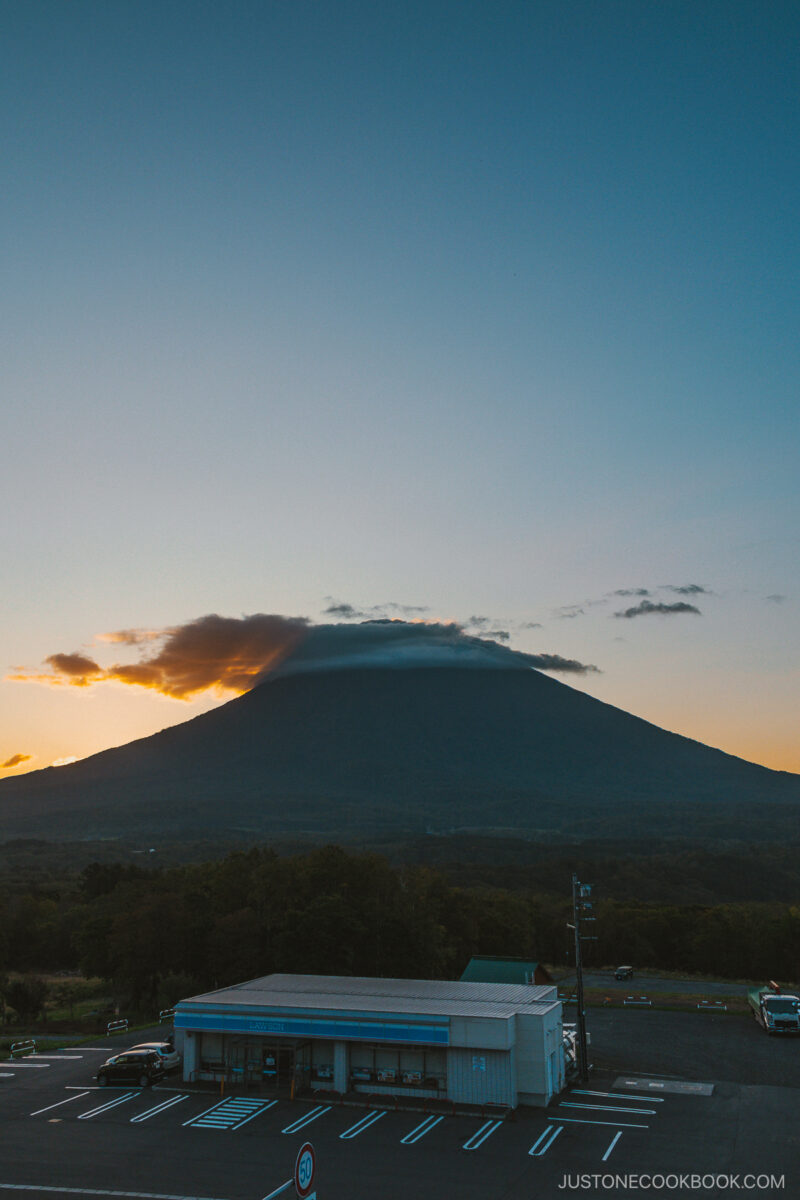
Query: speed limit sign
(304, 1171)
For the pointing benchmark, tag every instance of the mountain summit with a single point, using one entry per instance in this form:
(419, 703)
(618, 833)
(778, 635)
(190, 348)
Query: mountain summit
(379, 751)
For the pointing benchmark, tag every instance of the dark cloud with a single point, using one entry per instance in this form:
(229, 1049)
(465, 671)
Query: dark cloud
(15, 760)
(483, 626)
(393, 643)
(647, 608)
(352, 612)
(689, 589)
(631, 592)
(569, 611)
(554, 662)
(233, 654)
(776, 598)
(345, 611)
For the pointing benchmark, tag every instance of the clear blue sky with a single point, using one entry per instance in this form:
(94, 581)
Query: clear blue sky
(490, 308)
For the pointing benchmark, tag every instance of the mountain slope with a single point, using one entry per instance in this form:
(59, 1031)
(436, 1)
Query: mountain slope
(351, 752)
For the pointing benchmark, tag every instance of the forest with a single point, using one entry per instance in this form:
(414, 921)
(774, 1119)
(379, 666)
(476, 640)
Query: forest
(157, 934)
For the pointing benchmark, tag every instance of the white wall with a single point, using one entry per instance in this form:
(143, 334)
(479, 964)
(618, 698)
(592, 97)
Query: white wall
(481, 1076)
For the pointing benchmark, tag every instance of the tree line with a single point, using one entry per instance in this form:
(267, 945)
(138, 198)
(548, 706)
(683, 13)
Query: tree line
(157, 935)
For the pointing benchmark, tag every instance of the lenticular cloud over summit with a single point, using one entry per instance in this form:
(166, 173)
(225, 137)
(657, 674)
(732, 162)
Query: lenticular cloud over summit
(234, 654)
(388, 643)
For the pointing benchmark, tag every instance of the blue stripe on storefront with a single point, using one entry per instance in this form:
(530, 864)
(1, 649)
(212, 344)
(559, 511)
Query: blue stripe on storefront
(343, 1028)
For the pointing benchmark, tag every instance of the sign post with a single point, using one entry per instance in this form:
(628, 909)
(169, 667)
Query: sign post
(304, 1168)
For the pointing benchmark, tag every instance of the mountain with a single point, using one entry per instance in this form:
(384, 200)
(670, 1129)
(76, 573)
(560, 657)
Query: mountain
(354, 753)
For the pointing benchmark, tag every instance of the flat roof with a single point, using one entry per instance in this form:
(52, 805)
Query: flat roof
(344, 993)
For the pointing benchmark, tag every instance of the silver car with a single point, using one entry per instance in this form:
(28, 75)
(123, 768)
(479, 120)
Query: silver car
(168, 1055)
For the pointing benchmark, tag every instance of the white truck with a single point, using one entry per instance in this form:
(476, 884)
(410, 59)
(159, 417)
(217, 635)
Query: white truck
(776, 1011)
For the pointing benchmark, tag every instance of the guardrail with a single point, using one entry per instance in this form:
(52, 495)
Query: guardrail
(116, 1027)
(165, 1014)
(637, 1001)
(26, 1047)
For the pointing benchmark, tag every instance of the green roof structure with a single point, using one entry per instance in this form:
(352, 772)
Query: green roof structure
(486, 968)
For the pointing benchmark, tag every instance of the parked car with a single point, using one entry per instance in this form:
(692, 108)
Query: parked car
(142, 1067)
(166, 1051)
(623, 973)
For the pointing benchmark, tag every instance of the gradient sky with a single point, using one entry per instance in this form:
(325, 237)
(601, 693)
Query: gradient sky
(486, 308)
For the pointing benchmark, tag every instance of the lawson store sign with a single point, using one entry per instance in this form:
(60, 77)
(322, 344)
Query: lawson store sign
(341, 1028)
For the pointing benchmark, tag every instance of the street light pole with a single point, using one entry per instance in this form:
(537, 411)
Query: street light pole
(581, 910)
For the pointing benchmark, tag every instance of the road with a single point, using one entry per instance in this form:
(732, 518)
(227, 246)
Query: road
(655, 984)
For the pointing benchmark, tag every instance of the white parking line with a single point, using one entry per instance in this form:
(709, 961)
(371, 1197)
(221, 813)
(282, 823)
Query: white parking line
(18, 1062)
(68, 1100)
(624, 1124)
(426, 1126)
(6, 1074)
(258, 1111)
(73, 1191)
(543, 1143)
(619, 1095)
(363, 1124)
(65, 1057)
(614, 1141)
(480, 1136)
(159, 1108)
(95, 1112)
(643, 1112)
(319, 1111)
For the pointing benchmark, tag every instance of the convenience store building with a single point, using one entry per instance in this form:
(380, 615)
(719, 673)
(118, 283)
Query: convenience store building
(470, 1043)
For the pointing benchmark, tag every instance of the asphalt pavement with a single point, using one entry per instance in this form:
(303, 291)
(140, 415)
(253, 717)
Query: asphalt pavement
(62, 1135)
(657, 984)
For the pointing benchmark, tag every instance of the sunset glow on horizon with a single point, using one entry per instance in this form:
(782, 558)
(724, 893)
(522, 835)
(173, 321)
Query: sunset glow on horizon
(317, 315)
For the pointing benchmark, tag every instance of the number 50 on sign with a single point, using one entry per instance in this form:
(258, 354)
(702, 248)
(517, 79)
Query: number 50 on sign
(304, 1172)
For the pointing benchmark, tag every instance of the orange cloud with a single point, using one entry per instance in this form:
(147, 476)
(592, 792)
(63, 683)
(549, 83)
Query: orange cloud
(15, 760)
(224, 653)
(130, 637)
(78, 670)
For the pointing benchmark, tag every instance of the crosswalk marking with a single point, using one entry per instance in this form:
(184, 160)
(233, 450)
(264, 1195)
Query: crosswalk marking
(230, 1114)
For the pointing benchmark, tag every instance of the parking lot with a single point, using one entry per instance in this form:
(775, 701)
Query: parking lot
(60, 1133)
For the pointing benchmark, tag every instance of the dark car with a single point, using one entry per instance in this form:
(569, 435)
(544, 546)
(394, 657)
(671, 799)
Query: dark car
(623, 973)
(142, 1067)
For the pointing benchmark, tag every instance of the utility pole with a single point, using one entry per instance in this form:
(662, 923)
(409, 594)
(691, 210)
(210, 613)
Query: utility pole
(582, 910)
